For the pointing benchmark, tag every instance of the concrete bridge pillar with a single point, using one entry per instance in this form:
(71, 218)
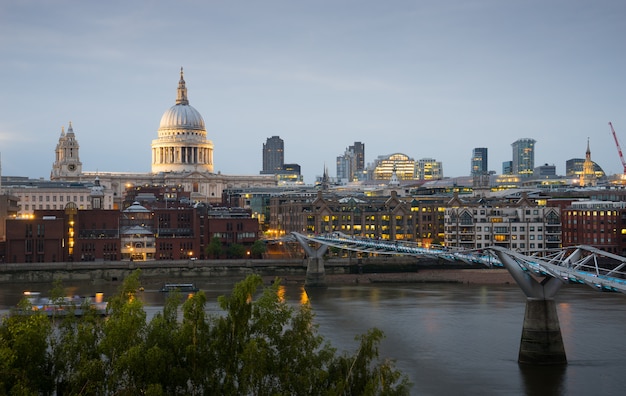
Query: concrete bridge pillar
(315, 271)
(541, 342)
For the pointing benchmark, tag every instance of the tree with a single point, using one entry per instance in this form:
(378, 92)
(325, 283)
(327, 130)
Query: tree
(236, 251)
(25, 364)
(214, 249)
(259, 345)
(258, 249)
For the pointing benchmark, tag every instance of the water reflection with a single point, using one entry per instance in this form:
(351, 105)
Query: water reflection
(449, 339)
(544, 380)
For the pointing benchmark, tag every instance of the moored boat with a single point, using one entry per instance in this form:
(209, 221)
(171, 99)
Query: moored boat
(179, 287)
(75, 305)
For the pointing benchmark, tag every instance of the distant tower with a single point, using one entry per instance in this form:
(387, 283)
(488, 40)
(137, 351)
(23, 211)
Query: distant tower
(479, 162)
(359, 151)
(480, 168)
(67, 165)
(273, 155)
(182, 144)
(588, 176)
(351, 164)
(524, 157)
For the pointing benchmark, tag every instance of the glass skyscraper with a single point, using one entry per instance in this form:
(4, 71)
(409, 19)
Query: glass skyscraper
(524, 157)
(479, 162)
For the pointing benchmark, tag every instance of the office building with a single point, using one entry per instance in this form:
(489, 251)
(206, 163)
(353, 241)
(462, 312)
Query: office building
(273, 155)
(523, 157)
(479, 162)
(429, 169)
(400, 164)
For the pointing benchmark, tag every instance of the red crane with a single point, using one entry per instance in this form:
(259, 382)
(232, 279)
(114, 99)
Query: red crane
(619, 149)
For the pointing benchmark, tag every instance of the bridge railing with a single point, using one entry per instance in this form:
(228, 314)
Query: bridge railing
(579, 264)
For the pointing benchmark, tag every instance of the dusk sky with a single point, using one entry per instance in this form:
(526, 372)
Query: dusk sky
(429, 79)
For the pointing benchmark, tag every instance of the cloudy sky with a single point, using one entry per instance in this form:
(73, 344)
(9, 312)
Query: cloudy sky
(430, 79)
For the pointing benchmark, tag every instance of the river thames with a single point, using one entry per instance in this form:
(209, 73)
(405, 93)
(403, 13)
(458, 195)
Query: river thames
(450, 339)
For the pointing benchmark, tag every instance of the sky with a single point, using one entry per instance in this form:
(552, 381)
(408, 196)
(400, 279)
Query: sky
(429, 79)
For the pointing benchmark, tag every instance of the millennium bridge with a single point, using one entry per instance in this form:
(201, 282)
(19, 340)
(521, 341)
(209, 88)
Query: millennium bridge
(539, 277)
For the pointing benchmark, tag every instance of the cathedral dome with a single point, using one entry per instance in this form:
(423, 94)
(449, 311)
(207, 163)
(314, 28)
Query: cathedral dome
(182, 116)
(182, 144)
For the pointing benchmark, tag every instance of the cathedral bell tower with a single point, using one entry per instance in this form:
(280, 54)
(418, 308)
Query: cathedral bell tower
(67, 165)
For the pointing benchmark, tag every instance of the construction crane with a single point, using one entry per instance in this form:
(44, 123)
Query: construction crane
(619, 149)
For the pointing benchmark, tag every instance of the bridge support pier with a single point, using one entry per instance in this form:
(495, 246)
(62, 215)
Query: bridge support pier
(315, 271)
(541, 342)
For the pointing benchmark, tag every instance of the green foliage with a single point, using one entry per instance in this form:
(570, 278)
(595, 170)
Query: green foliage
(236, 251)
(258, 345)
(258, 249)
(214, 248)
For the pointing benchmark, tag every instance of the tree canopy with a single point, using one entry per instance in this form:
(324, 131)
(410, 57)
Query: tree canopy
(258, 345)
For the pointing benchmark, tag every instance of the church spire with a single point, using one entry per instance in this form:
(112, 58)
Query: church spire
(181, 98)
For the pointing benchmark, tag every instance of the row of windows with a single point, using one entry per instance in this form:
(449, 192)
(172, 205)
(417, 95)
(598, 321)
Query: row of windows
(28, 207)
(61, 198)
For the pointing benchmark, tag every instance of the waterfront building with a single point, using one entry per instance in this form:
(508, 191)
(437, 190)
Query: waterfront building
(273, 155)
(164, 225)
(601, 224)
(523, 157)
(521, 225)
(390, 217)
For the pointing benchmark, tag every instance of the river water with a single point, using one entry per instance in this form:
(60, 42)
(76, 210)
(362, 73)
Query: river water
(452, 339)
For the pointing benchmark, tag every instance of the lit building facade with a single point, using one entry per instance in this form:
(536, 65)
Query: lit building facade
(182, 144)
(176, 231)
(601, 224)
(522, 226)
(428, 169)
(400, 164)
(388, 218)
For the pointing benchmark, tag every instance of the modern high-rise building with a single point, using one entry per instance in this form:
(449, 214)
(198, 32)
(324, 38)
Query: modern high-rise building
(351, 164)
(479, 162)
(273, 155)
(524, 157)
(359, 151)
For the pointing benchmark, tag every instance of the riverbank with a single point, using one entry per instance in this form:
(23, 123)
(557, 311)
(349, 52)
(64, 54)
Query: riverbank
(462, 276)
